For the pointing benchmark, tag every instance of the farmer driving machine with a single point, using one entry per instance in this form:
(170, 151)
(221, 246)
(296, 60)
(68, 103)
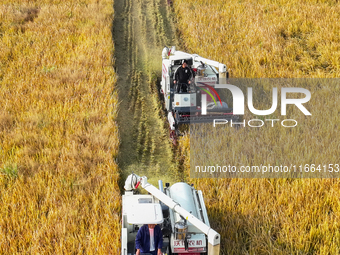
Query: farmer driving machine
(178, 209)
(198, 102)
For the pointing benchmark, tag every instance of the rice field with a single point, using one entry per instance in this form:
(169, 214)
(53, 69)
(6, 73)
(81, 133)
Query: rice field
(264, 39)
(59, 179)
(59, 190)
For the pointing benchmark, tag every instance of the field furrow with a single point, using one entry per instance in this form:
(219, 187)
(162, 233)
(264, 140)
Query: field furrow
(139, 38)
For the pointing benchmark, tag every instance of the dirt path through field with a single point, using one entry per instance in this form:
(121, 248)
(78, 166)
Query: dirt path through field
(141, 29)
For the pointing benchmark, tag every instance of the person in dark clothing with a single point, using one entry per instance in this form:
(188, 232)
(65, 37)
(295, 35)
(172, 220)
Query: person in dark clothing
(183, 76)
(149, 239)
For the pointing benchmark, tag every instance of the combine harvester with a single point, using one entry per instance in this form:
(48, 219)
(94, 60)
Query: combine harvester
(179, 210)
(186, 107)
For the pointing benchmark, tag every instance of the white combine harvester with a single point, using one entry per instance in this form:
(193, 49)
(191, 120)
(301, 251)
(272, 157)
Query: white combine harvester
(186, 107)
(179, 210)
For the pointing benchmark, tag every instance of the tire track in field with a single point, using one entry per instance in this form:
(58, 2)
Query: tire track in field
(140, 31)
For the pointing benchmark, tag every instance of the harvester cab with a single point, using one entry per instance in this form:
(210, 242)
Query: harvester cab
(185, 106)
(180, 212)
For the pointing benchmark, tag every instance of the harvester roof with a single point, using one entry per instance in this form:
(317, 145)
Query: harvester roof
(142, 209)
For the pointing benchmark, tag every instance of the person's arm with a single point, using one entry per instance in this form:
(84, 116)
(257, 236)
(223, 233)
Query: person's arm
(190, 75)
(138, 241)
(160, 241)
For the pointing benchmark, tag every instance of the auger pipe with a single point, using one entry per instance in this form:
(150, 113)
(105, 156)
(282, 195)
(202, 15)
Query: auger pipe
(222, 68)
(213, 236)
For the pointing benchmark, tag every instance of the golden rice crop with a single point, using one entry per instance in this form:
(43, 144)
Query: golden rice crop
(264, 38)
(271, 216)
(271, 39)
(58, 176)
